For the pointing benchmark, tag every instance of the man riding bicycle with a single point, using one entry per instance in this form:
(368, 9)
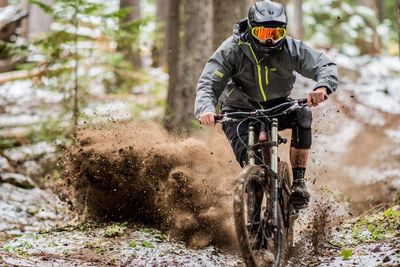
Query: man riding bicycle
(253, 69)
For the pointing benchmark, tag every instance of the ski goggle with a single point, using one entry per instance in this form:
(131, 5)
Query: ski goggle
(263, 34)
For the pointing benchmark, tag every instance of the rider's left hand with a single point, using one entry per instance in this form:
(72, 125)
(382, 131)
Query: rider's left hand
(317, 96)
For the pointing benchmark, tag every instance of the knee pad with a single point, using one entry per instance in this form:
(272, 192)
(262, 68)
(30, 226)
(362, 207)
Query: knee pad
(304, 117)
(301, 134)
(301, 138)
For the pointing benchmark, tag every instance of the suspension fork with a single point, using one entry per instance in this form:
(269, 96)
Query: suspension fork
(274, 168)
(253, 192)
(250, 151)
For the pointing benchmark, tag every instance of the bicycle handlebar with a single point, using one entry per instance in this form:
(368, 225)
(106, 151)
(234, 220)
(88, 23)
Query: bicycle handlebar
(261, 112)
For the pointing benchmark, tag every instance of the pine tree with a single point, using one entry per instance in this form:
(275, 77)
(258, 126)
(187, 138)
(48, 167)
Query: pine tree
(67, 61)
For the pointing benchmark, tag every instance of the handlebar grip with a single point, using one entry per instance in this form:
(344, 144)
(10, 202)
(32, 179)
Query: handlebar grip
(302, 101)
(217, 118)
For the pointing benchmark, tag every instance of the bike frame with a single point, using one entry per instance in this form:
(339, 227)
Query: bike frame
(270, 158)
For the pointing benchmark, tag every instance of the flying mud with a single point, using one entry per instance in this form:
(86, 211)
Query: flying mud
(139, 172)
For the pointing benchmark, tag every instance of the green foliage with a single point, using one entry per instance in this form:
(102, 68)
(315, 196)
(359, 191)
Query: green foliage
(43, 6)
(161, 236)
(370, 228)
(132, 244)
(7, 248)
(7, 142)
(393, 214)
(99, 250)
(82, 38)
(49, 131)
(65, 252)
(147, 231)
(147, 244)
(367, 229)
(377, 227)
(195, 125)
(20, 248)
(346, 254)
(114, 230)
(347, 26)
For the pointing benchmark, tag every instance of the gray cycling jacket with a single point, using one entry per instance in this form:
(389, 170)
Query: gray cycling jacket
(245, 81)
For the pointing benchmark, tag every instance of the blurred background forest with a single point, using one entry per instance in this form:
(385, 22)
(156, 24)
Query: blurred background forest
(72, 64)
(68, 63)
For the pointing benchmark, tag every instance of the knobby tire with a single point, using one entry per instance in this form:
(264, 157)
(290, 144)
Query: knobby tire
(256, 174)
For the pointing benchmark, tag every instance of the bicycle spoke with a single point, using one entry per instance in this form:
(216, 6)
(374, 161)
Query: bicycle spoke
(259, 228)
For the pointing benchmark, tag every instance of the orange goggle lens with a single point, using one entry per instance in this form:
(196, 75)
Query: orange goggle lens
(263, 34)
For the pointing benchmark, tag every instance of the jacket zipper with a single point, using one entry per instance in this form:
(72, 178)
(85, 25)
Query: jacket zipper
(259, 74)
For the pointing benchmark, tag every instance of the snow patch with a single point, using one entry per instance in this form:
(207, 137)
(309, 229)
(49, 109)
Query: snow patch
(367, 175)
(377, 84)
(114, 110)
(338, 142)
(20, 153)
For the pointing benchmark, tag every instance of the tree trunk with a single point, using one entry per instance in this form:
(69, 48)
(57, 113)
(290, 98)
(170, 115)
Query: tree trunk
(38, 21)
(75, 107)
(369, 3)
(195, 49)
(376, 44)
(4, 3)
(398, 21)
(159, 50)
(130, 51)
(173, 30)
(244, 7)
(380, 10)
(225, 14)
(25, 23)
(298, 25)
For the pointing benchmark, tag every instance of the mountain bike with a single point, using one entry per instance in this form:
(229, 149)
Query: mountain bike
(263, 215)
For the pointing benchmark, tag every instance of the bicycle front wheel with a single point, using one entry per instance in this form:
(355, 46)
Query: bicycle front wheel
(259, 244)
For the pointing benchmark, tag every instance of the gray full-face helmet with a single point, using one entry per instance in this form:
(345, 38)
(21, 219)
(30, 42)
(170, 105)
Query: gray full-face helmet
(267, 27)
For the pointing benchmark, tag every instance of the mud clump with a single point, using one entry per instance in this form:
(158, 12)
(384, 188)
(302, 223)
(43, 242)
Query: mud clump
(140, 172)
(315, 227)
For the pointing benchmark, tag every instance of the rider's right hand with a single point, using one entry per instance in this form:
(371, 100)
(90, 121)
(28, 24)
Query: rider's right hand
(207, 118)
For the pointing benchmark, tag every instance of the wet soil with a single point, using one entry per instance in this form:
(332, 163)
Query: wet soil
(108, 245)
(28, 210)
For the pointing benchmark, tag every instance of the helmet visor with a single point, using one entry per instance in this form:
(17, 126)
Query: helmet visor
(263, 34)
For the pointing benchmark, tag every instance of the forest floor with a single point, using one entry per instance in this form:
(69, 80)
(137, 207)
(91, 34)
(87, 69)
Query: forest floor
(354, 219)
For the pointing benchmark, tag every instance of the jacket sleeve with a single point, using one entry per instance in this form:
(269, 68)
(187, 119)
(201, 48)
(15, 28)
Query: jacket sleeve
(214, 78)
(314, 65)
